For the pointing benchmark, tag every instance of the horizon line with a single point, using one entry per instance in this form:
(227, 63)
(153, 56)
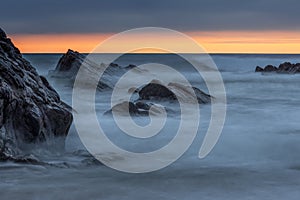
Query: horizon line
(224, 53)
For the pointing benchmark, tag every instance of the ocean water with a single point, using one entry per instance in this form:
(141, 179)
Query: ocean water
(256, 157)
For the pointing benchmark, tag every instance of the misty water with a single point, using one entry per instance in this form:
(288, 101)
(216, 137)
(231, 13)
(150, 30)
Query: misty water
(256, 157)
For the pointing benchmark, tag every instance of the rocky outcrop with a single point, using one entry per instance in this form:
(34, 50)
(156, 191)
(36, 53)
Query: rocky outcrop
(70, 62)
(284, 68)
(155, 90)
(30, 109)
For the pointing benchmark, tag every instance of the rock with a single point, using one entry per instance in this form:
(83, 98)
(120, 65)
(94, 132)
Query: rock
(289, 68)
(114, 65)
(284, 68)
(69, 64)
(185, 93)
(133, 90)
(156, 90)
(2, 34)
(295, 69)
(123, 107)
(259, 69)
(70, 61)
(270, 68)
(143, 105)
(202, 97)
(30, 109)
(130, 66)
(135, 108)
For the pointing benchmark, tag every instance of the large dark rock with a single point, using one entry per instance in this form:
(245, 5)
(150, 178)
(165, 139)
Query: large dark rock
(155, 90)
(30, 109)
(284, 68)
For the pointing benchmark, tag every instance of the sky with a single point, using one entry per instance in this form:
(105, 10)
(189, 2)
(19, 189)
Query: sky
(220, 26)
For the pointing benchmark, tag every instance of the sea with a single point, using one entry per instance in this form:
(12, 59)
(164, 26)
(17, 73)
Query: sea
(256, 157)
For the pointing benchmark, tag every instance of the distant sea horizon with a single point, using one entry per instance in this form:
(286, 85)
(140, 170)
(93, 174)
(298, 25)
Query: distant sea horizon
(172, 53)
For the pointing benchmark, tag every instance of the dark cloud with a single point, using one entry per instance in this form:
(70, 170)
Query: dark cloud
(70, 16)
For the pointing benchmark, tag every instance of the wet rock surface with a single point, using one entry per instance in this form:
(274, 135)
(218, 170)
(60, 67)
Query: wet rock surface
(30, 109)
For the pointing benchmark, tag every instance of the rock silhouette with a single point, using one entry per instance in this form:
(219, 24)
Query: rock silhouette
(284, 68)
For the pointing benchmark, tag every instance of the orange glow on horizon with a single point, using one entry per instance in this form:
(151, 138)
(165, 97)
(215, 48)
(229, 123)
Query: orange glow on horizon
(57, 43)
(213, 42)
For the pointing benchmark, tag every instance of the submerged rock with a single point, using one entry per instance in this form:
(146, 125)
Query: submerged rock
(30, 109)
(284, 68)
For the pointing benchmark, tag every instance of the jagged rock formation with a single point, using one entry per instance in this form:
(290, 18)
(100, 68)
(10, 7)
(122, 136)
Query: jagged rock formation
(30, 109)
(69, 64)
(284, 68)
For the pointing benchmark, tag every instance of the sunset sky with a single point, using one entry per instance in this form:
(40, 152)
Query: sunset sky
(232, 26)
